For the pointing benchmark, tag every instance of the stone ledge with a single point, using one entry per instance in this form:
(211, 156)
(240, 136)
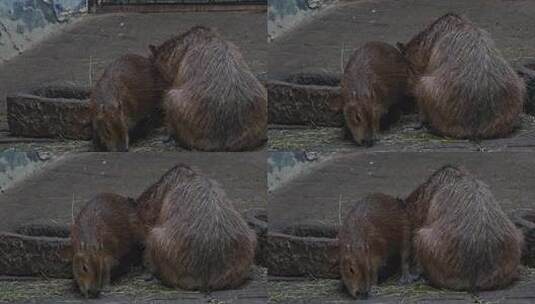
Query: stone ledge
(57, 111)
(298, 104)
(22, 255)
(524, 219)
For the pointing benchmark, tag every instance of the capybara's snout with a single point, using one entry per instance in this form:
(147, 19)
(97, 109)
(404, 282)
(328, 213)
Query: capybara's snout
(362, 295)
(368, 142)
(367, 139)
(89, 289)
(93, 293)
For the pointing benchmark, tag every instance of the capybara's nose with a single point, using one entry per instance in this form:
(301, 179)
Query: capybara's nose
(368, 142)
(363, 295)
(93, 293)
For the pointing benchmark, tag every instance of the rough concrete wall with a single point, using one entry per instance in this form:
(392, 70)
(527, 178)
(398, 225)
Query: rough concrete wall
(285, 166)
(15, 166)
(25, 22)
(285, 14)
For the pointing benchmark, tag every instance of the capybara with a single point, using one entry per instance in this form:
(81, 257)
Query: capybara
(418, 50)
(462, 238)
(105, 235)
(127, 96)
(374, 237)
(463, 86)
(199, 241)
(216, 103)
(149, 203)
(373, 90)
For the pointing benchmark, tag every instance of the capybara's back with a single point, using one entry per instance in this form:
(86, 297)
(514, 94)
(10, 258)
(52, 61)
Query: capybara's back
(419, 200)
(199, 242)
(467, 89)
(373, 89)
(467, 242)
(128, 93)
(374, 238)
(104, 235)
(418, 50)
(149, 203)
(216, 104)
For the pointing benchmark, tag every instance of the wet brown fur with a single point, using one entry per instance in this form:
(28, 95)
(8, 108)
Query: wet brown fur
(462, 238)
(374, 234)
(373, 90)
(216, 103)
(463, 86)
(127, 96)
(197, 240)
(104, 235)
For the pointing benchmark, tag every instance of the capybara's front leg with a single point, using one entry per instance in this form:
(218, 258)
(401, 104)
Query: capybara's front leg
(408, 275)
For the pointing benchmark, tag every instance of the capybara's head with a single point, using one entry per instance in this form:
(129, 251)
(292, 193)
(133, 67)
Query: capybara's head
(168, 55)
(363, 122)
(357, 271)
(92, 271)
(110, 130)
(418, 49)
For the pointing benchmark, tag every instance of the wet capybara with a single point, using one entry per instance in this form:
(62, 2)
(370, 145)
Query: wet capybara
(216, 103)
(463, 86)
(373, 90)
(462, 239)
(104, 236)
(127, 96)
(199, 241)
(374, 238)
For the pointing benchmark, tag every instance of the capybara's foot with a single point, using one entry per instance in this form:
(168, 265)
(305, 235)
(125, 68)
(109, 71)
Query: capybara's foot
(420, 126)
(168, 140)
(408, 278)
(149, 277)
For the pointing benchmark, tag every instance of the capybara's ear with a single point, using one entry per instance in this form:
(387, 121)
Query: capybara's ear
(153, 49)
(336, 104)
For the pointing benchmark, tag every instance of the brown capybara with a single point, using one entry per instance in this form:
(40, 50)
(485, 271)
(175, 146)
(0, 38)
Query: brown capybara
(463, 86)
(149, 203)
(375, 236)
(199, 241)
(127, 96)
(216, 103)
(105, 235)
(373, 90)
(418, 50)
(462, 238)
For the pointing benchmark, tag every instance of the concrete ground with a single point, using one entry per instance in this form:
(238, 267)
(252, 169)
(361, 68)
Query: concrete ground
(69, 182)
(324, 192)
(318, 44)
(100, 39)
(327, 41)
(53, 194)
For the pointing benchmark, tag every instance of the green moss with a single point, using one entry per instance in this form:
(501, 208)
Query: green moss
(283, 291)
(11, 291)
(407, 135)
(133, 285)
